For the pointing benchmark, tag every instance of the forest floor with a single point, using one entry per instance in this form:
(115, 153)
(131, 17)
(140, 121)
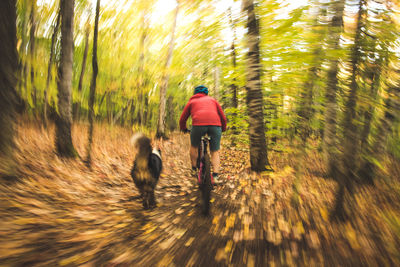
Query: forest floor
(58, 212)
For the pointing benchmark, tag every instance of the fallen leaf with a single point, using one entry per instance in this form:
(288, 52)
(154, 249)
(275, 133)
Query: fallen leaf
(221, 255)
(179, 211)
(189, 242)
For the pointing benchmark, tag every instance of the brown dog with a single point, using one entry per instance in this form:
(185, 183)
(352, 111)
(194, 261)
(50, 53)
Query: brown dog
(146, 169)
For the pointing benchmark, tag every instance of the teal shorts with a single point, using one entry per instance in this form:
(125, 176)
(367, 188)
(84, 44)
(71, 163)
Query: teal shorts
(213, 131)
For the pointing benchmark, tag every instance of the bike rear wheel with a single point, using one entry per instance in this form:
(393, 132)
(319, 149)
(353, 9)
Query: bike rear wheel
(206, 185)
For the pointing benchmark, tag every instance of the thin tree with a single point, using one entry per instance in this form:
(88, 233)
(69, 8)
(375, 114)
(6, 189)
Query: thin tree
(63, 140)
(140, 81)
(258, 145)
(8, 82)
(305, 108)
(233, 86)
(329, 135)
(164, 84)
(93, 83)
(32, 20)
(83, 69)
(217, 81)
(85, 52)
(49, 67)
(372, 153)
(22, 65)
(350, 131)
(385, 127)
(374, 78)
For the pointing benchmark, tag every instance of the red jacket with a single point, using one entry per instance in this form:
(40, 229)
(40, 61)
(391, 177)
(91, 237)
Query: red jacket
(204, 110)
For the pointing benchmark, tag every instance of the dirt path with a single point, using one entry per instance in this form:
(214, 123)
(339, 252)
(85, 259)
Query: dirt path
(63, 214)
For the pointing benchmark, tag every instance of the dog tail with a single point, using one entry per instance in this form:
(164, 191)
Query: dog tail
(136, 137)
(142, 143)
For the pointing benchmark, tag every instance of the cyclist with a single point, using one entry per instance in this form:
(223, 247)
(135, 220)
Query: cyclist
(207, 118)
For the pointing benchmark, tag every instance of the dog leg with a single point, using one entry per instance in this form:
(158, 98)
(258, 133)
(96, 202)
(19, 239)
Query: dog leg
(145, 200)
(153, 202)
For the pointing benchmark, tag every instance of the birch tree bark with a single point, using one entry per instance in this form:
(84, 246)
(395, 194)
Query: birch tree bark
(164, 84)
(140, 80)
(258, 145)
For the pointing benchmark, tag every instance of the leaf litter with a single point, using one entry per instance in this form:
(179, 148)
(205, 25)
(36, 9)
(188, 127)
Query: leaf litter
(59, 212)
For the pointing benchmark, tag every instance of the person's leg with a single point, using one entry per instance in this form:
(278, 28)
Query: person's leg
(215, 134)
(193, 155)
(195, 138)
(215, 162)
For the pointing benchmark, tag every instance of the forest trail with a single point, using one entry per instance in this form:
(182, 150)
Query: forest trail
(61, 213)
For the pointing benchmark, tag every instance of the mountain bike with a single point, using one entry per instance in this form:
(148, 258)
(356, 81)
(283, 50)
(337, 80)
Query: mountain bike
(205, 179)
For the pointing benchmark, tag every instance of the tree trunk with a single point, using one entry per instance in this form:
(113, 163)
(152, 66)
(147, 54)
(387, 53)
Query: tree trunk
(258, 146)
(375, 77)
(305, 108)
(93, 84)
(120, 114)
(384, 129)
(305, 111)
(8, 82)
(22, 51)
(350, 142)
(233, 86)
(338, 212)
(140, 83)
(131, 113)
(217, 78)
(32, 20)
(164, 84)
(146, 110)
(274, 118)
(24, 76)
(85, 52)
(305, 114)
(83, 69)
(329, 134)
(64, 144)
(350, 134)
(52, 47)
(109, 108)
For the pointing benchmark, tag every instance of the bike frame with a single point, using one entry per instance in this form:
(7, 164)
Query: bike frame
(205, 179)
(201, 156)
